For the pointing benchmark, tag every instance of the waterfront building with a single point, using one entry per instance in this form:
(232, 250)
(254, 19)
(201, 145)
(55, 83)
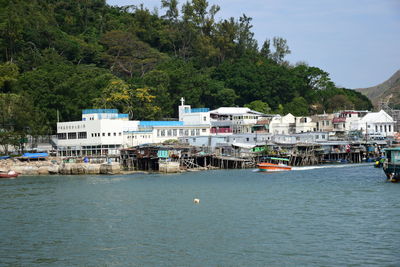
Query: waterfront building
(323, 122)
(305, 124)
(342, 122)
(283, 124)
(375, 125)
(105, 132)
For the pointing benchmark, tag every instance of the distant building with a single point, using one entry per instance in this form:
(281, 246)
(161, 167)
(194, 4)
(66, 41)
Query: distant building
(105, 132)
(323, 122)
(376, 124)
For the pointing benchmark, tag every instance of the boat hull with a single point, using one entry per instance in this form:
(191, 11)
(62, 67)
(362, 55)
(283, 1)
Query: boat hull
(15, 175)
(271, 167)
(392, 172)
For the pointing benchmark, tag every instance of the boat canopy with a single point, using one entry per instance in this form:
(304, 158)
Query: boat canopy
(273, 158)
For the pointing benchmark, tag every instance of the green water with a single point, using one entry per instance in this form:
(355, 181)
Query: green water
(335, 216)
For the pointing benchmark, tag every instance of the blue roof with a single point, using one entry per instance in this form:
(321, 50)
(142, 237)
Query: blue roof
(195, 110)
(35, 155)
(93, 111)
(160, 123)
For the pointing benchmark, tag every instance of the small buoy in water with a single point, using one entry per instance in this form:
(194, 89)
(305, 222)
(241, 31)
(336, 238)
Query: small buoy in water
(196, 200)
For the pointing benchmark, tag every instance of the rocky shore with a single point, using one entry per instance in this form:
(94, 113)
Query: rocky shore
(57, 166)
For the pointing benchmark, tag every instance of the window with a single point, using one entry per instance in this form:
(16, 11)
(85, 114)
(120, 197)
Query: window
(192, 132)
(186, 133)
(390, 128)
(203, 130)
(169, 132)
(62, 136)
(180, 132)
(385, 129)
(380, 128)
(376, 128)
(109, 134)
(71, 135)
(162, 132)
(197, 131)
(204, 118)
(119, 134)
(115, 134)
(82, 135)
(104, 134)
(158, 132)
(174, 132)
(247, 139)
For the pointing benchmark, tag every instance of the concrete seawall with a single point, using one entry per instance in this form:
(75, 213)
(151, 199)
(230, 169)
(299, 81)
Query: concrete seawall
(58, 167)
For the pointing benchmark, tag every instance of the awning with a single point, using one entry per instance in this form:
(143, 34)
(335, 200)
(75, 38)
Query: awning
(244, 145)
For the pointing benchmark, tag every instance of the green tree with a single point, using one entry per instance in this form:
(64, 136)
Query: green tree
(259, 106)
(298, 107)
(8, 74)
(281, 49)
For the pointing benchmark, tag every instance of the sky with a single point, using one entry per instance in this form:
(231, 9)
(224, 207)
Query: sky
(356, 41)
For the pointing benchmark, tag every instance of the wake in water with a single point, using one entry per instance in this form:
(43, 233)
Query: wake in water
(305, 168)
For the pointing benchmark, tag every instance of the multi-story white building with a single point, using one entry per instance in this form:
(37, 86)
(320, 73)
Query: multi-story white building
(233, 120)
(283, 124)
(105, 132)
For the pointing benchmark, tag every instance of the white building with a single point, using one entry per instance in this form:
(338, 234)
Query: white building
(345, 121)
(105, 131)
(233, 120)
(305, 124)
(283, 124)
(376, 124)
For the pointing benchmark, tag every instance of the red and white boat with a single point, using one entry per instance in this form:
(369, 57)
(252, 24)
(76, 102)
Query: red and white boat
(9, 174)
(273, 164)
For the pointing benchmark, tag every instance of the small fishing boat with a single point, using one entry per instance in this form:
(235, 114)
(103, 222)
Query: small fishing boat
(391, 166)
(272, 164)
(8, 174)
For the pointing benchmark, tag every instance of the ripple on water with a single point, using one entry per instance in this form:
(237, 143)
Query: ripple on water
(345, 215)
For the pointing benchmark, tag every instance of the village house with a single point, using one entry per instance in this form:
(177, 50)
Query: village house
(375, 125)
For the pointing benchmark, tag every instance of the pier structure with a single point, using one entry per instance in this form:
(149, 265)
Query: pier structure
(177, 157)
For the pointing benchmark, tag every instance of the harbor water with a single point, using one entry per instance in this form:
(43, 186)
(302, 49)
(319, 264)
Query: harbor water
(317, 216)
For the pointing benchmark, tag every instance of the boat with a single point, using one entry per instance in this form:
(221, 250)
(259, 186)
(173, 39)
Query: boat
(8, 174)
(273, 164)
(391, 166)
(379, 162)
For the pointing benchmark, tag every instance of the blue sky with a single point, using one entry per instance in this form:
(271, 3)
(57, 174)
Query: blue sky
(356, 41)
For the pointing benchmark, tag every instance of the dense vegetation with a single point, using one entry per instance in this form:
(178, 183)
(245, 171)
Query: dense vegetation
(60, 56)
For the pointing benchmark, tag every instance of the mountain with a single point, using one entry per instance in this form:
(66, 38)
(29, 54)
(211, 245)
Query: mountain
(388, 90)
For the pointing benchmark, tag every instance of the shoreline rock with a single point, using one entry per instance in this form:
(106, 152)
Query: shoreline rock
(56, 166)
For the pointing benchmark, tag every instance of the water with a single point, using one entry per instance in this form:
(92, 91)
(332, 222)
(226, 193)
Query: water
(347, 216)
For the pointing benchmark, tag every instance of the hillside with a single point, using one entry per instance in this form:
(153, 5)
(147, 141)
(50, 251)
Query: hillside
(58, 57)
(389, 89)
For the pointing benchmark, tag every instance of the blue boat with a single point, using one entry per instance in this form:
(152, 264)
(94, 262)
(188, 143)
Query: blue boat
(391, 166)
(35, 155)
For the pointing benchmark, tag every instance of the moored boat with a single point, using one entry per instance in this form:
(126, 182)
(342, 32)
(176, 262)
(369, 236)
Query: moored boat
(273, 164)
(391, 166)
(8, 174)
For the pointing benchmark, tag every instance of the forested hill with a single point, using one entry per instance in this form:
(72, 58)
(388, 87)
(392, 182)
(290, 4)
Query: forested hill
(66, 55)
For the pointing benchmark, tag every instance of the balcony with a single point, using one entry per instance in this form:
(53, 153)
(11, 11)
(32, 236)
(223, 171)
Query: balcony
(220, 130)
